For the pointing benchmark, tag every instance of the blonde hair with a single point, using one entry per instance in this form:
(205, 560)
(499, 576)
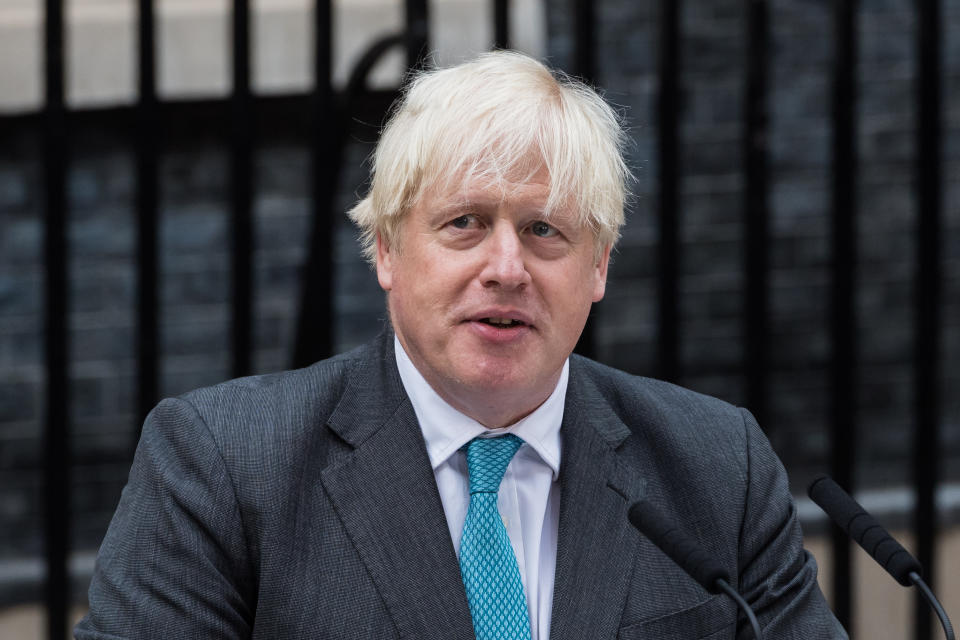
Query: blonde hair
(489, 117)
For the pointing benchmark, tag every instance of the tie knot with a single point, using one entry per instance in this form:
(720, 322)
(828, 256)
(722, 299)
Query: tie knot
(487, 460)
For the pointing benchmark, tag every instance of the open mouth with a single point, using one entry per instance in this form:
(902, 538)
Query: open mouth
(502, 323)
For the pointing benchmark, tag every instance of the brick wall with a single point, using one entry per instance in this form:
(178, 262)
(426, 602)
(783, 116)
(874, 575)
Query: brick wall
(713, 36)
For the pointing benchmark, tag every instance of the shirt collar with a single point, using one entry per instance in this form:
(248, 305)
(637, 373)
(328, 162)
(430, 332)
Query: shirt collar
(445, 429)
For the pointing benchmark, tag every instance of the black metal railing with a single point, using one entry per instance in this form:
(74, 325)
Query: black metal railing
(843, 333)
(929, 276)
(146, 202)
(331, 114)
(583, 66)
(241, 192)
(755, 215)
(56, 447)
(668, 246)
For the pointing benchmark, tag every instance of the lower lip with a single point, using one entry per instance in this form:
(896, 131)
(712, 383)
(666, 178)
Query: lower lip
(500, 335)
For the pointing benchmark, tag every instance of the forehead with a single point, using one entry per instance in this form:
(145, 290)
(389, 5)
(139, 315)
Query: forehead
(525, 187)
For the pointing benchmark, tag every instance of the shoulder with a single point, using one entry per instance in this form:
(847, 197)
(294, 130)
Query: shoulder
(674, 432)
(267, 424)
(656, 404)
(263, 437)
(312, 391)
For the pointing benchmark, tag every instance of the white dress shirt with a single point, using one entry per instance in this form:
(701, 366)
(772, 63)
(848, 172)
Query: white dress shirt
(529, 498)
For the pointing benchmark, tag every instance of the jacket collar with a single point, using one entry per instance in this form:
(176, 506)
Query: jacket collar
(385, 494)
(596, 545)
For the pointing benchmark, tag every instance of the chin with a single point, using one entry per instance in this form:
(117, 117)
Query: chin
(502, 379)
(488, 375)
(492, 381)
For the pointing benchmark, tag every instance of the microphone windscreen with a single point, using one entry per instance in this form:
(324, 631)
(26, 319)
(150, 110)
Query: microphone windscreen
(678, 546)
(864, 529)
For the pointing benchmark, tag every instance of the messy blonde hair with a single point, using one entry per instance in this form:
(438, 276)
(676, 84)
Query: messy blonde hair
(487, 118)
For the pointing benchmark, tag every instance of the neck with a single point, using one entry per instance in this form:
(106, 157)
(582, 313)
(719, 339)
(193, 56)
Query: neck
(494, 413)
(493, 407)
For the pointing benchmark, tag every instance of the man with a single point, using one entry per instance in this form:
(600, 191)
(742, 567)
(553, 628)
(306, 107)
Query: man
(364, 497)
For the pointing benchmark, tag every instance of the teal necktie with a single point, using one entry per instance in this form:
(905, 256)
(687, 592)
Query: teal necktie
(487, 564)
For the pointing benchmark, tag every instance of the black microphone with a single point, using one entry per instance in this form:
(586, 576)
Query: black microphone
(867, 532)
(688, 555)
(864, 529)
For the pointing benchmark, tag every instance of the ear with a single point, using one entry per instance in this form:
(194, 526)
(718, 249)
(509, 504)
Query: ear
(600, 274)
(384, 264)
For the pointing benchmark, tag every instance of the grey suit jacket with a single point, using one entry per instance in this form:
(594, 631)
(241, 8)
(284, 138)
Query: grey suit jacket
(303, 505)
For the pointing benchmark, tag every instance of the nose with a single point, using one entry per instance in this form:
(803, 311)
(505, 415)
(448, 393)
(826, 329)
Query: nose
(504, 264)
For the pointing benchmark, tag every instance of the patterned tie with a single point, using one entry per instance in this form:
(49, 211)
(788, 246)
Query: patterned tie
(487, 564)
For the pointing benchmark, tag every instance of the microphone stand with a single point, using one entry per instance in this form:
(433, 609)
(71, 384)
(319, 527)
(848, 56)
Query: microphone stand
(869, 534)
(730, 591)
(933, 602)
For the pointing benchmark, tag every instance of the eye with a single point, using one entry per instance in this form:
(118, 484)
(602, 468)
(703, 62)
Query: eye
(465, 221)
(542, 230)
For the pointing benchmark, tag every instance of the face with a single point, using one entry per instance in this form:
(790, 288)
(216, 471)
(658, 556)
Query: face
(488, 297)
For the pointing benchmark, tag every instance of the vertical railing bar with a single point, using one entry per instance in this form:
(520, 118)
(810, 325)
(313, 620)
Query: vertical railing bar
(326, 157)
(584, 40)
(843, 365)
(418, 33)
(240, 192)
(315, 321)
(56, 452)
(501, 24)
(146, 154)
(668, 249)
(926, 460)
(584, 67)
(757, 267)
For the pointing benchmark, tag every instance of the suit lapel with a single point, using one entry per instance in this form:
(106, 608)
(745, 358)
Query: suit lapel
(596, 544)
(385, 494)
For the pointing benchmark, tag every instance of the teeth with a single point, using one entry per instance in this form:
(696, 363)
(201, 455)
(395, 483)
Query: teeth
(500, 321)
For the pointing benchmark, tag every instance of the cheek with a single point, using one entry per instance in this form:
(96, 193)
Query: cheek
(580, 284)
(561, 292)
(444, 274)
(426, 285)
(570, 293)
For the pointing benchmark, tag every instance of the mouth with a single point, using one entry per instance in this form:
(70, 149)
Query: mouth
(500, 330)
(502, 323)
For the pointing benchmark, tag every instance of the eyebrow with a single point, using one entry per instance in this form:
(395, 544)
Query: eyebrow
(477, 199)
(465, 205)
(472, 198)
